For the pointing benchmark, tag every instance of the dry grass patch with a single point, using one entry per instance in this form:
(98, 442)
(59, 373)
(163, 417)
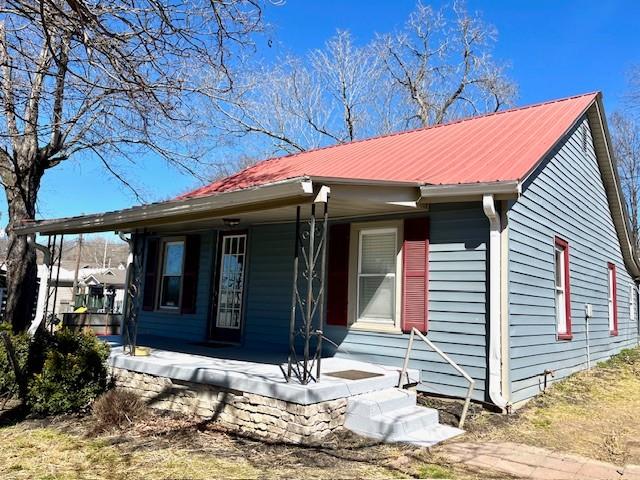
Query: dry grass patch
(172, 446)
(593, 413)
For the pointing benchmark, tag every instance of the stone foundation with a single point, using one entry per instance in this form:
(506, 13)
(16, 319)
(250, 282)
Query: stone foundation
(247, 413)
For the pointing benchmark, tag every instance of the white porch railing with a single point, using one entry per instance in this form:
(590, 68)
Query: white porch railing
(458, 368)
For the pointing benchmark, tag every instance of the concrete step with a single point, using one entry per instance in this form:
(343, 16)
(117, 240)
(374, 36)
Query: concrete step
(383, 401)
(432, 436)
(393, 425)
(391, 415)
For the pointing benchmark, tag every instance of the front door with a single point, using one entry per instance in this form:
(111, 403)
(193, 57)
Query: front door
(226, 323)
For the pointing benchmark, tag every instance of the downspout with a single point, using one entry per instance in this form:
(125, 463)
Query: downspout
(495, 316)
(44, 285)
(127, 282)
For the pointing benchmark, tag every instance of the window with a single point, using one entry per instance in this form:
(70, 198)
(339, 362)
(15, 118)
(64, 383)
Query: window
(562, 289)
(613, 305)
(377, 275)
(171, 274)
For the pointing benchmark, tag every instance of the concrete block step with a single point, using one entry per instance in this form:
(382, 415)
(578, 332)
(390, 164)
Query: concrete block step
(391, 426)
(381, 402)
(431, 436)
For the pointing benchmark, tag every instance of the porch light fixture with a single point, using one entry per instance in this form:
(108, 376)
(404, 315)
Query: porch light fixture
(231, 222)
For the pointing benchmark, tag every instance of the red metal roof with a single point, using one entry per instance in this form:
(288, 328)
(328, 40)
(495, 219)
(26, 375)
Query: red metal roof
(502, 146)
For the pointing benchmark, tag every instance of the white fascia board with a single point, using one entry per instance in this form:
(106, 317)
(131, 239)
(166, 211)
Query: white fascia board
(388, 194)
(225, 203)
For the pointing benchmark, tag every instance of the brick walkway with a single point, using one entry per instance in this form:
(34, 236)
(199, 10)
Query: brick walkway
(523, 461)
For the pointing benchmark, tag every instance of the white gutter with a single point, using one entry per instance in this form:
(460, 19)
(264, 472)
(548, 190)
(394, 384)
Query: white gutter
(44, 285)
(469, 191)
(495, 304)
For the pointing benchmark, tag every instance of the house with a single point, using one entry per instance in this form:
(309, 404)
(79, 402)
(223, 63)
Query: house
(503, 238)
(101, 290)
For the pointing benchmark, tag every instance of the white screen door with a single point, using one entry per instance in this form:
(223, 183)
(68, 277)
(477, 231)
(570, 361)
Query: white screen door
(231, 281)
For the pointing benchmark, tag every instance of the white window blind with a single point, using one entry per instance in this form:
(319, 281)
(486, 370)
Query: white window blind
(377, 275)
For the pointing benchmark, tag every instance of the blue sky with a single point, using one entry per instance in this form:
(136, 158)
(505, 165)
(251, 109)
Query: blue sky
(554, 49)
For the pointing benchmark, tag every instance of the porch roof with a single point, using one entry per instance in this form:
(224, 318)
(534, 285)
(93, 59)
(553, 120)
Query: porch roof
(274, 195)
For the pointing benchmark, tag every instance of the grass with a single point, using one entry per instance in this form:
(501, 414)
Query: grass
(592, 413)
(167, 447)
(51, 454)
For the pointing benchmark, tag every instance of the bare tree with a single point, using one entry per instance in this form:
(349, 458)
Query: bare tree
(444, 69)
(431, 71)
(304, 103)
(625, 132)
(104, 79)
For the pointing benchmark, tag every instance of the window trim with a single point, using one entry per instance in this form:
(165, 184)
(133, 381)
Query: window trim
(563, 245)
(354, 264)
(163, 245)
(632, 303)
(612, 298)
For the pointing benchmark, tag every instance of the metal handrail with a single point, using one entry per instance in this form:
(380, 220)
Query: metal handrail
(458, 368)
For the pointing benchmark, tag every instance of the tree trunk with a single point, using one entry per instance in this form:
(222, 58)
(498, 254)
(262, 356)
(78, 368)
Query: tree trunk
(22, 272)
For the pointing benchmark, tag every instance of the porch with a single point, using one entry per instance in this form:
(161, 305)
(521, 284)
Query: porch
(248, 392)
(285, 277)
(256, 372)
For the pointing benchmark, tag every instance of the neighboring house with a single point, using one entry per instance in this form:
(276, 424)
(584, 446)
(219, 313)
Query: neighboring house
(100, 289)
(503, 237)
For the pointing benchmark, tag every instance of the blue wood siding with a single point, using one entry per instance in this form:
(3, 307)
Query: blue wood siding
(457, 307)
(565, 198)
(191, 327)
(269, 284)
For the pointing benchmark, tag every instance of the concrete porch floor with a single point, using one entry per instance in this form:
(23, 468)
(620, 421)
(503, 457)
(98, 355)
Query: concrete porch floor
(262, 373)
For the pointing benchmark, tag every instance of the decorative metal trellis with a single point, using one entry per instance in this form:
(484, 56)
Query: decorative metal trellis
(307, 298)
(132, 303)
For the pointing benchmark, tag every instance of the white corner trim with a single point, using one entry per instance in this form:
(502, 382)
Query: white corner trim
(307, 186)
(323, 194)
(495, 301)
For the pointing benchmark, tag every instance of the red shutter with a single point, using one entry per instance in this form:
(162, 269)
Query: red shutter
(338, 275)
(190, 274)
(151, 274)
(415, 268)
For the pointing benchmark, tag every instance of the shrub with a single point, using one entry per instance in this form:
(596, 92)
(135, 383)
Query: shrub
(72, 373)
(21, 349)
(117, 409)
(62, 372)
